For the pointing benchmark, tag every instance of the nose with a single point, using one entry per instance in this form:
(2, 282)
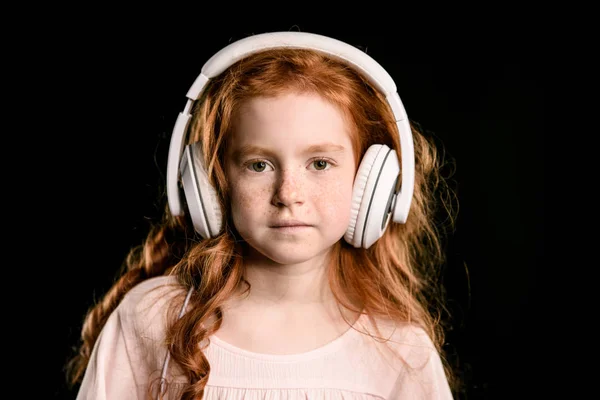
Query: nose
(288, 190)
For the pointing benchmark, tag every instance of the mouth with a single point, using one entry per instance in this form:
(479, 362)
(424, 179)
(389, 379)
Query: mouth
(290, 224)
(290, 229)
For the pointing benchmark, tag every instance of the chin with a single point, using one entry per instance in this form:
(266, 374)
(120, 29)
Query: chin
(285, 254)
(288, 255)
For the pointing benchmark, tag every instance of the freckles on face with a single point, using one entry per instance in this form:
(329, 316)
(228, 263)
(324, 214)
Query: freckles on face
(290, 159)
(245, 197)
(331, 198)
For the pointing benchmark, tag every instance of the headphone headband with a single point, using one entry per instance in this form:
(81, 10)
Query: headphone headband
(334, 48)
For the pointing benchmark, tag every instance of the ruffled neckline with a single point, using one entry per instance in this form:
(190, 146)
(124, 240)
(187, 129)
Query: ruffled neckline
(327, 348)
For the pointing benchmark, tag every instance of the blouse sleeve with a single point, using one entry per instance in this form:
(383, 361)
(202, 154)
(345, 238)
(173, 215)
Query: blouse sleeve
(127, 359)
(109, 374)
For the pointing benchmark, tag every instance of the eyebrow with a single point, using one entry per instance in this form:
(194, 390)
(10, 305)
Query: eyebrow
(315, 148)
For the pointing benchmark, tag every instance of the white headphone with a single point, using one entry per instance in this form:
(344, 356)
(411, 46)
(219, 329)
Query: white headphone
(375, 198)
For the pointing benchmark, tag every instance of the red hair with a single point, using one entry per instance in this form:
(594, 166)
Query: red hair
(395, 279)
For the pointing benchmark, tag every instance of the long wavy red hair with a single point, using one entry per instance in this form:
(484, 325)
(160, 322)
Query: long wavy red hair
(397, 278)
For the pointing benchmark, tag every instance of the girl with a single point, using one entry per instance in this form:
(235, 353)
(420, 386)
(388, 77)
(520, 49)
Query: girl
(296, 256)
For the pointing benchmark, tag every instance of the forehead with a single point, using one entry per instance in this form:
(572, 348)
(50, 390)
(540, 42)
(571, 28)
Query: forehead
(292, 118)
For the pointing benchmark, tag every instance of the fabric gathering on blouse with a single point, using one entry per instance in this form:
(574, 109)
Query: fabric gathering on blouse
(130, 353)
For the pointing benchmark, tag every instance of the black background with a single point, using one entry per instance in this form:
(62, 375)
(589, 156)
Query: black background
(117, 85)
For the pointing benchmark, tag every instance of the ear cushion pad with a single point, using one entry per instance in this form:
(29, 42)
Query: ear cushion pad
(374, 185)
(360, 181)
(202, 200)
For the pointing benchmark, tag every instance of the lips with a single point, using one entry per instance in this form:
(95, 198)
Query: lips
(289, 224)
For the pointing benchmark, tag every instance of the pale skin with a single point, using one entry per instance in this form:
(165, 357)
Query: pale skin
(291, 170)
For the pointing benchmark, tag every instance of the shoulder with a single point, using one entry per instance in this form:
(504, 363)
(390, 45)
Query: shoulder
(413, 344)
(417, 364)
(403, 344)
(130, 351)
(151, 293)
(401, 359)
(144, 310)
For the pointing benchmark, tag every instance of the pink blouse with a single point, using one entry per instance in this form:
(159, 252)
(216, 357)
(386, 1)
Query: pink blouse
(129, 354)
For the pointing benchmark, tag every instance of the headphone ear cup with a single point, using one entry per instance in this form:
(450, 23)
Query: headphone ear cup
(373, 195)
(201, 197)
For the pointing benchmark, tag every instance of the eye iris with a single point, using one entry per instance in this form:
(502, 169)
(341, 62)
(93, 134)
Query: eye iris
(259, 166)
(320, 164)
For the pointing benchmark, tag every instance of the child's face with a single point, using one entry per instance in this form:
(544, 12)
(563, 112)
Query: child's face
(290, 161)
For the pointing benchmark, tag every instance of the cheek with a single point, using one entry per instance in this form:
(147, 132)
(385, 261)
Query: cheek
(335, 199)
(245, 199)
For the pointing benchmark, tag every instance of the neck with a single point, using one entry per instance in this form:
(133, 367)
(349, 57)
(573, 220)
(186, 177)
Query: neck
(303, 285)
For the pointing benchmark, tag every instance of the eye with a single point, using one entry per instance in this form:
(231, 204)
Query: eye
(258, 166)
(321, 164)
